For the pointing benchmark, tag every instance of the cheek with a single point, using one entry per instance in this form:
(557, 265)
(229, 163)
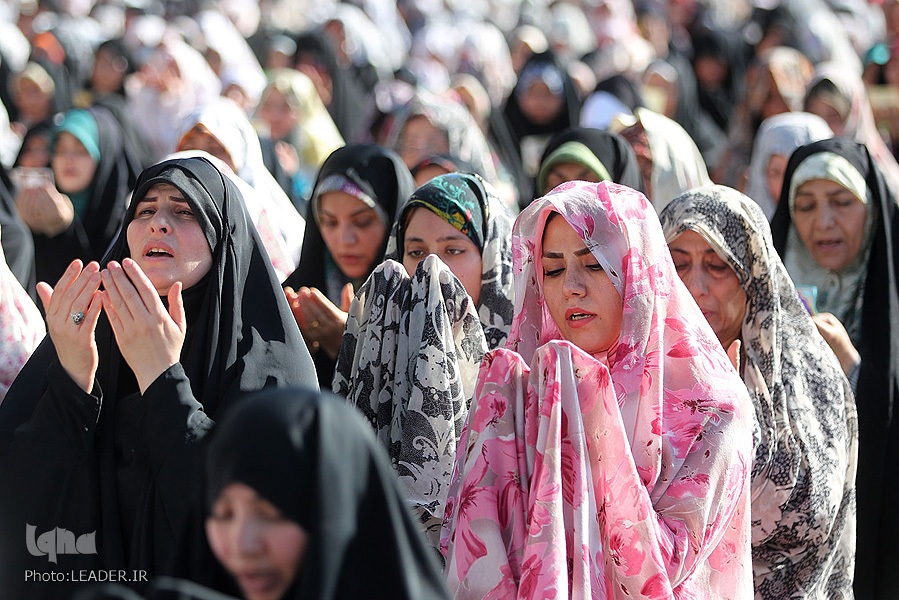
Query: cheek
(217, 535)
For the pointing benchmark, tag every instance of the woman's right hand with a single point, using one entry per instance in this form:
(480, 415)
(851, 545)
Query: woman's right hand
(76, 293)
(45, 210)
(837, 338)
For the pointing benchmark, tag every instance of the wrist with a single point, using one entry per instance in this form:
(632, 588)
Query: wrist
(147, 376)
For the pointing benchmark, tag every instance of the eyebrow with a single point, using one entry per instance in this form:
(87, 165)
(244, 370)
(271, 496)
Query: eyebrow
(366, 209)
(155, 199)
(445, 238)
(682, 251)
(582, 252)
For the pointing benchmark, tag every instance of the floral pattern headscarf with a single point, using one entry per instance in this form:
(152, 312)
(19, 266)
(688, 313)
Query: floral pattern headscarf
(803, 477)
(471, 205)
(625, 476)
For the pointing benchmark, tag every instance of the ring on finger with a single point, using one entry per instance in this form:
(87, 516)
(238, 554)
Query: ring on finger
(77, 317)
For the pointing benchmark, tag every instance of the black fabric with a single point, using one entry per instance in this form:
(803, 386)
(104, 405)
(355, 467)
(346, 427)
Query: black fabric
(18, 247)
(611, 149)
(348, 106)
(877, 484)
(623, 88)
(381, 174)
(325, 470)
(119, 463)
(692, 114)
(88, 237)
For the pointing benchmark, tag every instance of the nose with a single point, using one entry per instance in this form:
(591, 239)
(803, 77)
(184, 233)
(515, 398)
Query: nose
(348, 235)
(573, 284)
(696, 283)
(247, 538)
(825, 217)
(159, 223)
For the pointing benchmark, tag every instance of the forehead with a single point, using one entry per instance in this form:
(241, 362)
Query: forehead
(166, 191)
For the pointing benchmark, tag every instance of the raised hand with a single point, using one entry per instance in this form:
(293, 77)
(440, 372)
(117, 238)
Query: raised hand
(321, 322)
(149, 337)
(73, 308)
(45, 210)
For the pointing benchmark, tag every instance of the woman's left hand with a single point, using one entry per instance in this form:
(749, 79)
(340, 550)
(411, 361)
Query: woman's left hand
(149, 337)
(321, 322)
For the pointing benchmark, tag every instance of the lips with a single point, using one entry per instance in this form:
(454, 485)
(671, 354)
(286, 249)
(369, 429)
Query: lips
(827, 245)
(256, 582)
(578, 317)
(157, 250)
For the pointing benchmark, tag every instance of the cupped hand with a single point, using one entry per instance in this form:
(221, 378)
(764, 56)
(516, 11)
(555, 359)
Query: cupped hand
(836, 336)
(321, 322)
(149, 337)
(73, 308)
(45, 210)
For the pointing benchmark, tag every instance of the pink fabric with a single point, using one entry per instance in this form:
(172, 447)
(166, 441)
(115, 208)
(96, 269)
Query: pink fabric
(21, 327)
(623, 476)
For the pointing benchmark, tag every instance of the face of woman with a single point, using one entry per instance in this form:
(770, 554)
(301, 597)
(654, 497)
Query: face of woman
(817, 106)
(35, 152)
(258, 546)
(200, 138)
(426, 233)
(166, 240)
(419, 139)
(539, 104)
(581, 299)
(352, 231)
(426, 174)
(713, 284)
(562, 172)
(33, 102)
(276, 111)
(830, 221)
(774, 174)
(72, 165)
(109, 72)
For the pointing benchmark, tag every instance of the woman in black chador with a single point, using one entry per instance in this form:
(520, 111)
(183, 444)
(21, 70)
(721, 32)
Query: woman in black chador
(99, 432)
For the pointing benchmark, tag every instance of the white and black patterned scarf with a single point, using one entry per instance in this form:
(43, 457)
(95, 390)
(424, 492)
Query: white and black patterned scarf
(803, 497)
(409, 362)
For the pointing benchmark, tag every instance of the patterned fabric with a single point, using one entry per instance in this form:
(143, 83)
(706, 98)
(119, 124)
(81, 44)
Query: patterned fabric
(625, 476)
(408, 361)
(21, 326)
(803, 477)
(491, 218)
(453, 198)
(677, 164)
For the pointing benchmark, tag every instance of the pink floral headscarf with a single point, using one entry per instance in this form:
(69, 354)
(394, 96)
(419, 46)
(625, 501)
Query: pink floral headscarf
(623, 476)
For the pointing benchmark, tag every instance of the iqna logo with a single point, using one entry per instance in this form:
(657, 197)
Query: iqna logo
(59, 541)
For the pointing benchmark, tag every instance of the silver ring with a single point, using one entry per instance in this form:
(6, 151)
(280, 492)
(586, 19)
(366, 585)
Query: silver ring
(77, 317)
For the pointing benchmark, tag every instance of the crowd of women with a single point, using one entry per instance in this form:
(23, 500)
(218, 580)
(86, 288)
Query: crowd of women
(376, 299)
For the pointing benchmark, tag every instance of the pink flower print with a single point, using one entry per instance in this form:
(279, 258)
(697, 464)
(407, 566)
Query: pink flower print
(657, 587)
(695, 485)
(531, 587)
(626, 551)
(506, 588)
(491, 408)
(589, 226)
(573, 491)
